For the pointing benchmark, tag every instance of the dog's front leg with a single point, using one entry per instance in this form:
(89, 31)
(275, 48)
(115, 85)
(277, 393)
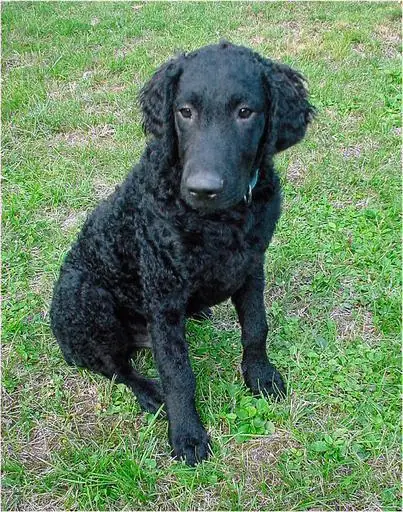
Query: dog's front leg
(187, 435)
(259, 374)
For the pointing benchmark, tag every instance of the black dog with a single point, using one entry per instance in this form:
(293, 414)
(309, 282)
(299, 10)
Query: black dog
(187, 229)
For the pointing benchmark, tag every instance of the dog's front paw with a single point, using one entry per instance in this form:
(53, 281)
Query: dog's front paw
(263, 377)
(190, 442)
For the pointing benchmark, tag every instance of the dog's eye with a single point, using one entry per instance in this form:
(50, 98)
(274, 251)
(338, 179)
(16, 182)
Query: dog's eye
(244, 113)
(185, 112)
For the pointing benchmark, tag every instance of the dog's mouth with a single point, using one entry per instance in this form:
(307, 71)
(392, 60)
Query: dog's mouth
(213, 202)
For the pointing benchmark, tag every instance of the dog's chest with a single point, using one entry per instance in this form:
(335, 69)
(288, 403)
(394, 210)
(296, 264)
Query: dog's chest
(219, 261)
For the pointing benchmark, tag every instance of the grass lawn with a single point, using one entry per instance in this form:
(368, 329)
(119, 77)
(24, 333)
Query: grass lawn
(71, 131)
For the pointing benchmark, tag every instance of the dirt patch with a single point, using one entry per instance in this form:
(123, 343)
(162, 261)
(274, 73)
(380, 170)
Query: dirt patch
(296, 172)
(66, 218)
(344, 120)
(133, 43)
(362, 203)
(102, 189)
(9, 404)
(359, 49)
(288, 37)
(267, 450)
(106, 87)
(36, 453)
(225, 318)
(81, 404)
(83, 138)
(21, 60)
(33, 502)
(102, 131)
(390, 39)
(87, 90)
(41, 284)
(73, 138)
(41, 281)
(354, 322)
(61, 91)
(84, 406)
(291, 296)
(387, 464)
(357, 150)
(250, 466)
(117, 88)
(257, 462)
(352, 152)
(257, 40)
(298, 38)
(73, 220)
(273, 293)
(201, 498)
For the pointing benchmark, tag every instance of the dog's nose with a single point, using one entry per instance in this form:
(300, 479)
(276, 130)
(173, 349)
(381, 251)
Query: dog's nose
(204, 186)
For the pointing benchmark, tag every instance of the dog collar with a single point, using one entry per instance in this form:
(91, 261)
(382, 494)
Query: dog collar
(252, 184)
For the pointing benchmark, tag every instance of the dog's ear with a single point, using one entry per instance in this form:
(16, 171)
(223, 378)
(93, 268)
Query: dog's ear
(294, 112)
(291, 109)
(156, 101)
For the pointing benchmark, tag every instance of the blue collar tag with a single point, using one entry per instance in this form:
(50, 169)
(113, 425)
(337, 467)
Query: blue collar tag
(252, 184)
(253, 181)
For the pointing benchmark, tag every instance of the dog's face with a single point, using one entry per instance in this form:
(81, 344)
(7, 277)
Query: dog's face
(220, 110)
(223, 111)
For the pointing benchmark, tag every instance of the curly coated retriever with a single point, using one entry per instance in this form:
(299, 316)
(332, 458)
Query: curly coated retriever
(187, 229)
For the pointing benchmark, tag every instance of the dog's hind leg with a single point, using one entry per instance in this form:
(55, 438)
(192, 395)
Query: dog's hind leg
(92, 335)
(116, 365)
(148, 391)
(114, 361)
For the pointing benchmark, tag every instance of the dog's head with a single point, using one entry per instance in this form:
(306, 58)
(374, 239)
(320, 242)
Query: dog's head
(222, 112)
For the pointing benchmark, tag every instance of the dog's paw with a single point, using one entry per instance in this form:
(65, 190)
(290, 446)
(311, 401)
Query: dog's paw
(264, 378)
(150, 396)
(190, 443)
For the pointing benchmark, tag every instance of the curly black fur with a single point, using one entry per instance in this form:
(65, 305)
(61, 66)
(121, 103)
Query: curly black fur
(166, 245)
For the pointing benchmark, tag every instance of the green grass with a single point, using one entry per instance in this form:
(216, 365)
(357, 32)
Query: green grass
(71, 131)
